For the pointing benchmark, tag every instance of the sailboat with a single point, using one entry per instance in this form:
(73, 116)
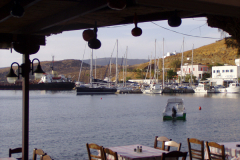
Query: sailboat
(154, 87)
(96, 87)
(124, 88)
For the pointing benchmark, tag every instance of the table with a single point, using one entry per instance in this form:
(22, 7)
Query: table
(232, 152)
(127, 153)
(9, 158)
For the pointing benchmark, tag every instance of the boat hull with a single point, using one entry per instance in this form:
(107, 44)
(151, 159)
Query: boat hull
(85, 91)
(153, 91)
(41, 86)
(233, 88)
(183, 117)
(174, 110)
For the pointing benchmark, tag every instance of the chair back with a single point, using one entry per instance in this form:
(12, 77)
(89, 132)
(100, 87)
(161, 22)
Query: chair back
(193, 147)
(45, 157)
(98, 155)
(107, 152)
(173, 144)
(15, 150)
(162, 140)
(173, 155)
(37, 152)
(216, 151)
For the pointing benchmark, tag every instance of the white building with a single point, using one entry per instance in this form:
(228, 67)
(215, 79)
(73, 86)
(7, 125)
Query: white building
(170, 54)
(197, 70)
(221, 75)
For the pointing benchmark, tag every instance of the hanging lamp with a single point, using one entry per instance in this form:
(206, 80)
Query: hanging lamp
(88, 34)
(175, 20)
(136, 31)
(94, 43)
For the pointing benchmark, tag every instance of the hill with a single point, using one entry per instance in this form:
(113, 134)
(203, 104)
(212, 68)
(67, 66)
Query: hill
(106, 61)
(211, 54)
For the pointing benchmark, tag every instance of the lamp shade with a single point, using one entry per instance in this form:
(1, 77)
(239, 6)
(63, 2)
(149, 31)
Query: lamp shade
(136, 31)
(11, 76)
(88, 34)
(94, 43)
(38, 72)
(12, 79)
(38, 75)
(174, 21)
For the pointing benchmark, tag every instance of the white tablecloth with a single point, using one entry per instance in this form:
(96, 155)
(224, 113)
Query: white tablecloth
(9, 158)
(127, 153)
(232, 152)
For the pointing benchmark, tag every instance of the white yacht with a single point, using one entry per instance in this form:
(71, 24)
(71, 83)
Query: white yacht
(205, 88)
(232, 88)
(152, 89)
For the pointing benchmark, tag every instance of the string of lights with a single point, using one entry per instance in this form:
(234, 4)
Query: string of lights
(184, 33)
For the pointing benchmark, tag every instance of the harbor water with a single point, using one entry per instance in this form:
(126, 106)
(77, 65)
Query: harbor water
(61, 123)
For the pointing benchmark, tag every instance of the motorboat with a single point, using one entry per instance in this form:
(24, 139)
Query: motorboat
(232, 88)
(206, 88)
(124, 89)
(152, 89)
(174, 110)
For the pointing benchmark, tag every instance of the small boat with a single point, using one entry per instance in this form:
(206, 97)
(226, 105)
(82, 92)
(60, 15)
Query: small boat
(124, 89)
(206, 88)
(174, 110)
(232, 88)
(152, 89)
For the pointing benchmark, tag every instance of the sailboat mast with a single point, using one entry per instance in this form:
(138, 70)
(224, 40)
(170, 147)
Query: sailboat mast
(155, 62)
(109, 75)
(182, 61)
(96, 67)
(157, 68)
(126, 68)
(81, 65)
(163, 65)
(147, 69)
(192, 66)
(150, 73)
(91, 63)
(116, 66)
(123, 69)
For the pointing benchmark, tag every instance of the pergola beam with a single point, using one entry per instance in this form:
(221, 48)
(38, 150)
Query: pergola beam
(64, 16)
(5, 10)
(202, 6)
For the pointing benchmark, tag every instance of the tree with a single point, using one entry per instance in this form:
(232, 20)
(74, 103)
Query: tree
(171, 74)
(205, 76)
(188, 78)
(127, 78)
(176, 64)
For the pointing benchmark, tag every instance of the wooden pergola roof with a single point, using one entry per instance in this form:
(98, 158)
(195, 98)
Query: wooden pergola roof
(45, 17)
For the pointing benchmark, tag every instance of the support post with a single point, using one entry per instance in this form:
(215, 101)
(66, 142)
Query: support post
(25, 107)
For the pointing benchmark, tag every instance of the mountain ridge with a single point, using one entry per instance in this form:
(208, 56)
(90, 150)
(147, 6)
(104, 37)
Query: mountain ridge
(211, 54)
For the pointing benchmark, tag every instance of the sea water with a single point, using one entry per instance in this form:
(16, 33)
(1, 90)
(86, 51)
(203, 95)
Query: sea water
(61, 123)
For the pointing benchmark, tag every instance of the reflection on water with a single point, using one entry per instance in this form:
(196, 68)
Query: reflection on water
(218, 95)
(61, 123)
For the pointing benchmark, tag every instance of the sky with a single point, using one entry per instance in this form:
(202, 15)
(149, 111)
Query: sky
(70, 44)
